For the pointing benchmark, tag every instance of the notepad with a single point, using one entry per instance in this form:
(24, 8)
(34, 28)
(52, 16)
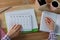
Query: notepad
(25, 17)
(55, 17)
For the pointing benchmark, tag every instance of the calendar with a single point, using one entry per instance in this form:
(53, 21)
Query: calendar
(26, 18)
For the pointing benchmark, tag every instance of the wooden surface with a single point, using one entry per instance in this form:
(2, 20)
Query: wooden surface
(15, 3)
(29, 36)
(32, 36)
(5, 3)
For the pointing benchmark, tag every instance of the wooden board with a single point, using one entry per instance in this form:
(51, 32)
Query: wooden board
(5, 3)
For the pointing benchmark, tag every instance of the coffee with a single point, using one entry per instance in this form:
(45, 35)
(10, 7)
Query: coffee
(55, 4)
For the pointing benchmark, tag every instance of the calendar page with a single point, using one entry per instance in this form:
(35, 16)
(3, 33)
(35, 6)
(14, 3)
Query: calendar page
(55, 17)
(26, 18)
(43, 26)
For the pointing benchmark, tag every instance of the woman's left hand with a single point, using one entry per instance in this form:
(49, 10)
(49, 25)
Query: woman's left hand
(14, 31)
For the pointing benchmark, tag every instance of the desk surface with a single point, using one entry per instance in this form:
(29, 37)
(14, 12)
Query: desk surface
(29, 36)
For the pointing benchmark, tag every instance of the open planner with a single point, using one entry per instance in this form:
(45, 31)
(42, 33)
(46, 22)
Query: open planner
(25, 17)
(56, 19)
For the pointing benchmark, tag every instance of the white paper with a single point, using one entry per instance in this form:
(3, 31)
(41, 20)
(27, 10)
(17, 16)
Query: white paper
(58, 25)
(25, 17)
(43, 26)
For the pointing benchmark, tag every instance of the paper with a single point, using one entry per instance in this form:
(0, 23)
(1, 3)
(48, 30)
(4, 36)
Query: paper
(43, 26)
(54, 17)
(24, 20)
(58, 25)
(24, 17)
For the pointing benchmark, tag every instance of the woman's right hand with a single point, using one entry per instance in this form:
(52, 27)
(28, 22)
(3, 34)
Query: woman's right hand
(50, 23)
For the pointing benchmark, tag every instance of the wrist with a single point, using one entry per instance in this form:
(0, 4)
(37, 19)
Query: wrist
(51, 30)
(8, 35)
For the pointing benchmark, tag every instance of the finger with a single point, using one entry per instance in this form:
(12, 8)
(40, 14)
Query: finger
(47, 20)
(18, 30)
(16, 34)
(18, 27)
(13, 26)
(48, 1)
(51, 20)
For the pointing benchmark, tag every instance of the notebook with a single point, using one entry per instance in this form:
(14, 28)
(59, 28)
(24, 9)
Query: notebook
(56, 19)
(25, 17)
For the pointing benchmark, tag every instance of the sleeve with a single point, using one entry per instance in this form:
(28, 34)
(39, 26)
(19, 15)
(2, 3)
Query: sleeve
(52, 36)
(5, 38)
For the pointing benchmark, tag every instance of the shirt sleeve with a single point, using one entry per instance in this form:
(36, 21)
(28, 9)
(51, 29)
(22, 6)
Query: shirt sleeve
(52, 36)
(5, 38)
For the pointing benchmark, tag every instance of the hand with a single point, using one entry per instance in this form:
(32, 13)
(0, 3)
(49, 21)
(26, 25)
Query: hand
(50, 23)
(14, 31)
(50, 6)
(48, 1)
(36, 5)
